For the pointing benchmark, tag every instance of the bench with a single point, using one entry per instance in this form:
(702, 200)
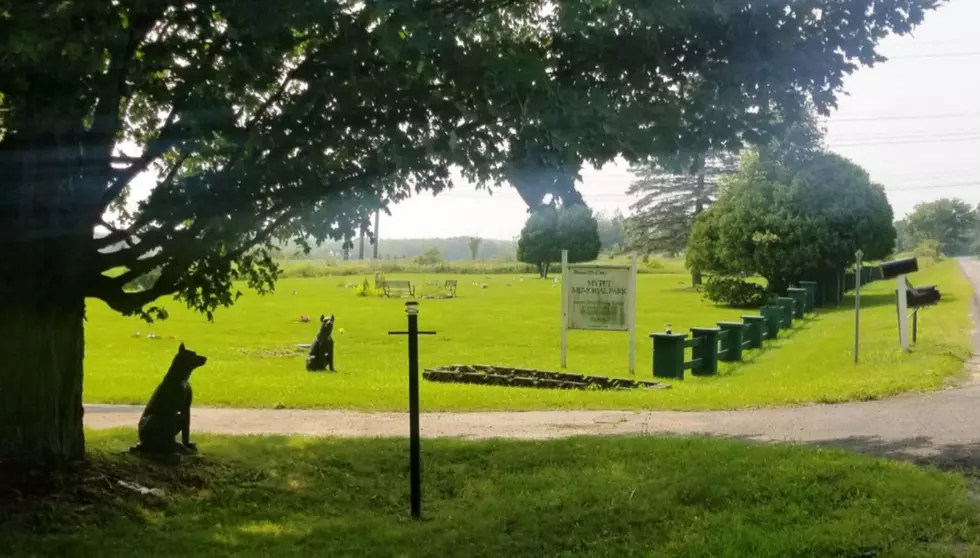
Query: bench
(450, 287)
(399, 288)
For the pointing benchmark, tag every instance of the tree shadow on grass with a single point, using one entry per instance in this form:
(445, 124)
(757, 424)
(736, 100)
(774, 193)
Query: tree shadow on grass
(920, 450)
(265, 496)
(750, 356)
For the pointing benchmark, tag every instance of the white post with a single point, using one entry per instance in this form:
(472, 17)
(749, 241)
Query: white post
(903, 314)
(564, 309)
(631, 314)
(857, 305)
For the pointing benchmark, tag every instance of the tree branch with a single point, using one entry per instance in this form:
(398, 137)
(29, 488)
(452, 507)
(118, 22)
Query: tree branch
(159, 145)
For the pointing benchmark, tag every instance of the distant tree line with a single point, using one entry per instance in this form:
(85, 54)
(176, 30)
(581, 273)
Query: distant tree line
(455, 248)
(945, 226)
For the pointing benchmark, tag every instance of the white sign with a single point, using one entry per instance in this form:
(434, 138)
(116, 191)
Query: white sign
(595, 297)
(598, 297)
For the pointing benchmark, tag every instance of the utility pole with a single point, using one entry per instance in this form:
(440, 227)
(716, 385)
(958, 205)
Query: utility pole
(360, 249)
(859, 255)
(377, 239)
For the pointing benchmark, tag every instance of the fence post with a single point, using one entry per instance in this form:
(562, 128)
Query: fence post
(707, 351)
(755, 329)
(734, 330)
(811, 293)
(830, 288)
(799, 297)
(774, 317)
(668, 355)
(787, 304)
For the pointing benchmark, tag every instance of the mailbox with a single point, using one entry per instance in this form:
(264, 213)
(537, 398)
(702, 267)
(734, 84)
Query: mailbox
(918, 297)
(895, 268)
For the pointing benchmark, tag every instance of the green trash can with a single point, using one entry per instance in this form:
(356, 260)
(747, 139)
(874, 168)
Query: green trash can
(799, 298)
(774, 317)
(789, 308)
(811, 293)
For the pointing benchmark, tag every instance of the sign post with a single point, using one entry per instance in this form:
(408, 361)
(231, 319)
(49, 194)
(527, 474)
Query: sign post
(857, 304)
(599, 298)
(564, 309)
(903, 312)
(631, 314)
(415, 443)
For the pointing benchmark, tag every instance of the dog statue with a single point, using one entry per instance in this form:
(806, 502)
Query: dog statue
(168, 412)
(321, 351)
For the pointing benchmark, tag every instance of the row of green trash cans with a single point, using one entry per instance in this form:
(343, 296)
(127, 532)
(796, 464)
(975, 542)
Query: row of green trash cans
(727, 341)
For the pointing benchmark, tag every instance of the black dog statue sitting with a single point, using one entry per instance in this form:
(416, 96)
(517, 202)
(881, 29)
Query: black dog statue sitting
(168, 412)
(321, 351)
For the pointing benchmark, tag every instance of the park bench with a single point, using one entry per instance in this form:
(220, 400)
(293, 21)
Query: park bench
(399, 288)
(450, 287)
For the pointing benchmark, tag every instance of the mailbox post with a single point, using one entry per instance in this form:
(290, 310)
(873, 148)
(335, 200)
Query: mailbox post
(899, 269)
(859, 255)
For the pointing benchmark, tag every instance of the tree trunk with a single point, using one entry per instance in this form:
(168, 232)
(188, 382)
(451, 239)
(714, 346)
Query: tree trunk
(377, 237)
(698, 209)
(360, 250)
(41, 352)
(48, 209)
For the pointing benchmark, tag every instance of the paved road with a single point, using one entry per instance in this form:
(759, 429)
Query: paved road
(941, 427)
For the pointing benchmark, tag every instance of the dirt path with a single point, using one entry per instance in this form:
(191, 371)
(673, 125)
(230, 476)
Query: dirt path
(942, 425)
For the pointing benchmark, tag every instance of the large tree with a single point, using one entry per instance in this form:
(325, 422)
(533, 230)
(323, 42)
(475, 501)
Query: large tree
(550, 229)
(612, 231)
(951, 222)
(263, 121)
(474, 244)
(675, 189)
(672, 191)
(795, 224)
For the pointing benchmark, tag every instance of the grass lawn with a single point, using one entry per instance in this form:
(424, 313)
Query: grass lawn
(617, 497)
(512, 322)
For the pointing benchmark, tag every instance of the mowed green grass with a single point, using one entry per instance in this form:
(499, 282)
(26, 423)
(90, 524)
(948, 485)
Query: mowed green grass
(516, 323)
(615, 497)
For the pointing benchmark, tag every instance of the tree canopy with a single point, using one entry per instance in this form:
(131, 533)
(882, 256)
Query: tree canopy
(612, 231)
(672, 191)
(268, 121)
(474, 244)
(953, 223)
(790, 226)
(263, 120)
(550, 229)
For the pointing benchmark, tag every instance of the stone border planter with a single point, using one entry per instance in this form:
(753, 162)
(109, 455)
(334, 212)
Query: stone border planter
(481, 374)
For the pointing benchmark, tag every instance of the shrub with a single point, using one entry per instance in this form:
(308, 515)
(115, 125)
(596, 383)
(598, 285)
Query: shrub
(928, 249)
(652, 264)
(432, 256)
(734, 291)
(368, 289)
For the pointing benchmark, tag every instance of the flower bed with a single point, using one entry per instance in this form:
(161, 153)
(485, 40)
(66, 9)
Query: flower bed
(516, 377)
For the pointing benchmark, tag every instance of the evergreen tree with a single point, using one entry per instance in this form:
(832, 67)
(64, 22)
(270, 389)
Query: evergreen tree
(673, 191)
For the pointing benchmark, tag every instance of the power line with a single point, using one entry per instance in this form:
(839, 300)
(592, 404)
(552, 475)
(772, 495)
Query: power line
(935, 186)
(923, 135)
(906, 141)
(904, 117)
(936, 55)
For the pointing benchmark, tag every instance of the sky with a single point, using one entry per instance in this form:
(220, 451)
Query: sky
(912, 122)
